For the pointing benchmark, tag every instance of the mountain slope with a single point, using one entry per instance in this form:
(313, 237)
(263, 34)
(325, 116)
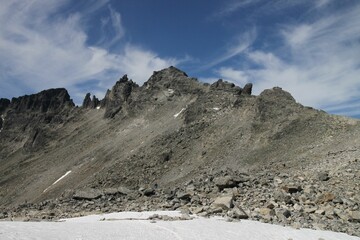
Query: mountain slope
(165, 133)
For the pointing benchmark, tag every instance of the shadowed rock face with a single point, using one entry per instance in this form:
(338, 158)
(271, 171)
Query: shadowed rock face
(90, 103)
(31, 120)
(47, 100)
(118, 97)
(4, 103)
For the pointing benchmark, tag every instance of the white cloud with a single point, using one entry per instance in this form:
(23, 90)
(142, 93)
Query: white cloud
(140, 64)
(298, 35)
(231, 75)
(319, 63)
(39, 51)
(117, 26)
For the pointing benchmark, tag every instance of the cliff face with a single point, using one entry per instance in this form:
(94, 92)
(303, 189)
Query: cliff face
(28, 122)
(45, 101)
(165, 132)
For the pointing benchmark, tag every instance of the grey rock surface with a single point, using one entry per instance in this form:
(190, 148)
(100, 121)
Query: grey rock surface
(178, 144)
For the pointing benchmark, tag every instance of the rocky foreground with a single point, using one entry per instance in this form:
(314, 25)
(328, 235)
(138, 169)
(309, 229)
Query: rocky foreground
(302, 199)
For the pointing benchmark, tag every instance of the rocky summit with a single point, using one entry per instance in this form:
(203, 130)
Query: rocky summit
(177, 143)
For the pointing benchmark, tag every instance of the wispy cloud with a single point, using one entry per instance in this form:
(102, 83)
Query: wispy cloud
(318, 62)
(239, 46)
(321, 3)
(232, 7)
(39, 51)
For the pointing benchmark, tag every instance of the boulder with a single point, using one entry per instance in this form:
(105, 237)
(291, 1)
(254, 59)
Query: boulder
(149, 192)
(87, 194)
(224, 182)
(355, 216)
(224, 202)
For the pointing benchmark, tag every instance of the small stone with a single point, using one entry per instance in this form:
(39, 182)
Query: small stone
(296, 225)
(355, 216)
(149, 192)
(286, 213)
(323, 176)
(320, 211)
(266, 212)
(297, 207)
(270, 206)
(183, 196)
(292, 189)
(326, 197)
(238, 213)
(310, 210)
(338, 200)
(197, 210)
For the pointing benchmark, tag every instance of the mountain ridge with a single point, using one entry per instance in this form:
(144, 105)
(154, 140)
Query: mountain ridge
(159, 137)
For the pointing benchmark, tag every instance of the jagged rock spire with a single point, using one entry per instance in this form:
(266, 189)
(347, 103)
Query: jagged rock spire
(90, 103)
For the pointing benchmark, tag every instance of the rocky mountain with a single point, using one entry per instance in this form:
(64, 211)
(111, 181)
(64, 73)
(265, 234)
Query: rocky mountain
(177, 143)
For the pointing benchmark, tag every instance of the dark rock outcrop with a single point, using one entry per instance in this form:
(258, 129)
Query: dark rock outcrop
(172, 79)
(4, 103)
(45, 101)
(119, 95)
(90, 103)
(87, 101)
(36, 140)
(225, 86)
(247, 89)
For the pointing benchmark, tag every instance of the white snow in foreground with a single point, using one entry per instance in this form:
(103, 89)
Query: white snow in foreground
(120, 226)
(176, 115)
(67, 173)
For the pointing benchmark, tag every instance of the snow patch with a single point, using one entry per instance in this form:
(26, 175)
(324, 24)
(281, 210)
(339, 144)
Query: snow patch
(98, 107)
(171, 91)
(63, 176)
(122, 216)
(177, 114)
(134, 225)
(216, 108)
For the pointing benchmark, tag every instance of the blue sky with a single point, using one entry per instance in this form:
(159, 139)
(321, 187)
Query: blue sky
(310, 48)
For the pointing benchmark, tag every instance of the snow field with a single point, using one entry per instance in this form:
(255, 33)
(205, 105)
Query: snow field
(119, 226)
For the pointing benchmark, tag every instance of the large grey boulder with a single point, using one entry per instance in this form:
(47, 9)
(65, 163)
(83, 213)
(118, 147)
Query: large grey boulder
(87, 194)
